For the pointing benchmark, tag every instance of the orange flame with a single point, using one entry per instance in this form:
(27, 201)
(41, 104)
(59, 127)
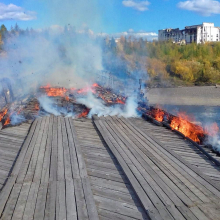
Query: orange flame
(119, 101)
(2, 114)
(84, 113)
(54, 91)
(158, 114)
(7, 121)
(190, 130)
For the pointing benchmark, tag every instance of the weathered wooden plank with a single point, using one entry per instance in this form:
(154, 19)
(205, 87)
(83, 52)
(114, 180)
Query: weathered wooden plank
(194, 175)
(60, 159)
(26, 160)
(90, 203)
(155, 179)
(61, 200)
(50, 210)
(46, 164)
(21, 203)
(147, 164)
(34, 157)
(53, 165)
(151, 211)
(70, 201)
(66, 154)
(80, 200)
(7, 189)
(9, 209)
(31, 202)
(142, 176)
(41, 153)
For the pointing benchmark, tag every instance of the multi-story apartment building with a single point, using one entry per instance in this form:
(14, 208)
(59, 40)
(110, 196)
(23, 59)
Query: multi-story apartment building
(205, 32)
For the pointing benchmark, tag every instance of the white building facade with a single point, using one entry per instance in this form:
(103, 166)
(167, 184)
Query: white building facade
(206, 32)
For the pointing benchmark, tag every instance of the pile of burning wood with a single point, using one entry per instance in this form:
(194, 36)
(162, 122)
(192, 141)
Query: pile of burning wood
(182, 124)
(30, 108)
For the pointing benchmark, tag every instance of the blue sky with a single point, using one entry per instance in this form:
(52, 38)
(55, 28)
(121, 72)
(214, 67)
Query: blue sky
(110, 16)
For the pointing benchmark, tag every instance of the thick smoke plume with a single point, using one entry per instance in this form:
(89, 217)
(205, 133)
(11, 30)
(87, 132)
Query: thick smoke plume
(67, 59)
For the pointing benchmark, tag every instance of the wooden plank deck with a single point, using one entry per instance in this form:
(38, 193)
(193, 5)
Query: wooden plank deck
(11, 140)
(113, 193)
(49, 179)
(105, 168)
(166, 184)
(183, 148)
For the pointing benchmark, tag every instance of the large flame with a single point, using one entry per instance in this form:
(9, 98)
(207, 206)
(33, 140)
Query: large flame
(190, 130)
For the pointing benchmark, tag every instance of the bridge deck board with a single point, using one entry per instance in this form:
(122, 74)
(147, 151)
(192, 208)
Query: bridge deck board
(176, 190)
(31, 193)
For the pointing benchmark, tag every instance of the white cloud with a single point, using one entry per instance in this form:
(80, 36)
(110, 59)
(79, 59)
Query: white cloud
(203, 7)
(14, 12)
(136, 4)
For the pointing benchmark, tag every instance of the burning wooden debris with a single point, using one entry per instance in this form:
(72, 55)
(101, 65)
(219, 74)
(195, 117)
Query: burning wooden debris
(182, 124)
(64, 99)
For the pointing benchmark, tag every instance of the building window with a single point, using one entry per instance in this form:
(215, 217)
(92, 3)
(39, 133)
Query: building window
(216, 39)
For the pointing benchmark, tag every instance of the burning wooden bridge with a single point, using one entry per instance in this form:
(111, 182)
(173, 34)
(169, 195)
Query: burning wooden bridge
(105, 168)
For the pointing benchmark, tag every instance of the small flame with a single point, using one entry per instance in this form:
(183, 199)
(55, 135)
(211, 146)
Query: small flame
(84, 113)
(158, 114)
(2, 114)
(7, 121)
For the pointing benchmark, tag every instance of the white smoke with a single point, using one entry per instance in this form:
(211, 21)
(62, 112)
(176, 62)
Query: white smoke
(98, 107)
(16, 119)
(48, 105)
(215, 142)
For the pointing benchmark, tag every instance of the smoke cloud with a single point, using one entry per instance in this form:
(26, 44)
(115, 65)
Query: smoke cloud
(98, 107)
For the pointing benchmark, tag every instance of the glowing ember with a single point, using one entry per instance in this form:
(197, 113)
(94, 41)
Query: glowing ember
(2, 114)
(119, 101)
(95, 85)
(84, 113)
(182, 124)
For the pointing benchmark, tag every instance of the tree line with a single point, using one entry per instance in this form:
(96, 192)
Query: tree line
(167, 63)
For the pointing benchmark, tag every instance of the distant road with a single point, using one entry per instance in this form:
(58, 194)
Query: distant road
(197, 95)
